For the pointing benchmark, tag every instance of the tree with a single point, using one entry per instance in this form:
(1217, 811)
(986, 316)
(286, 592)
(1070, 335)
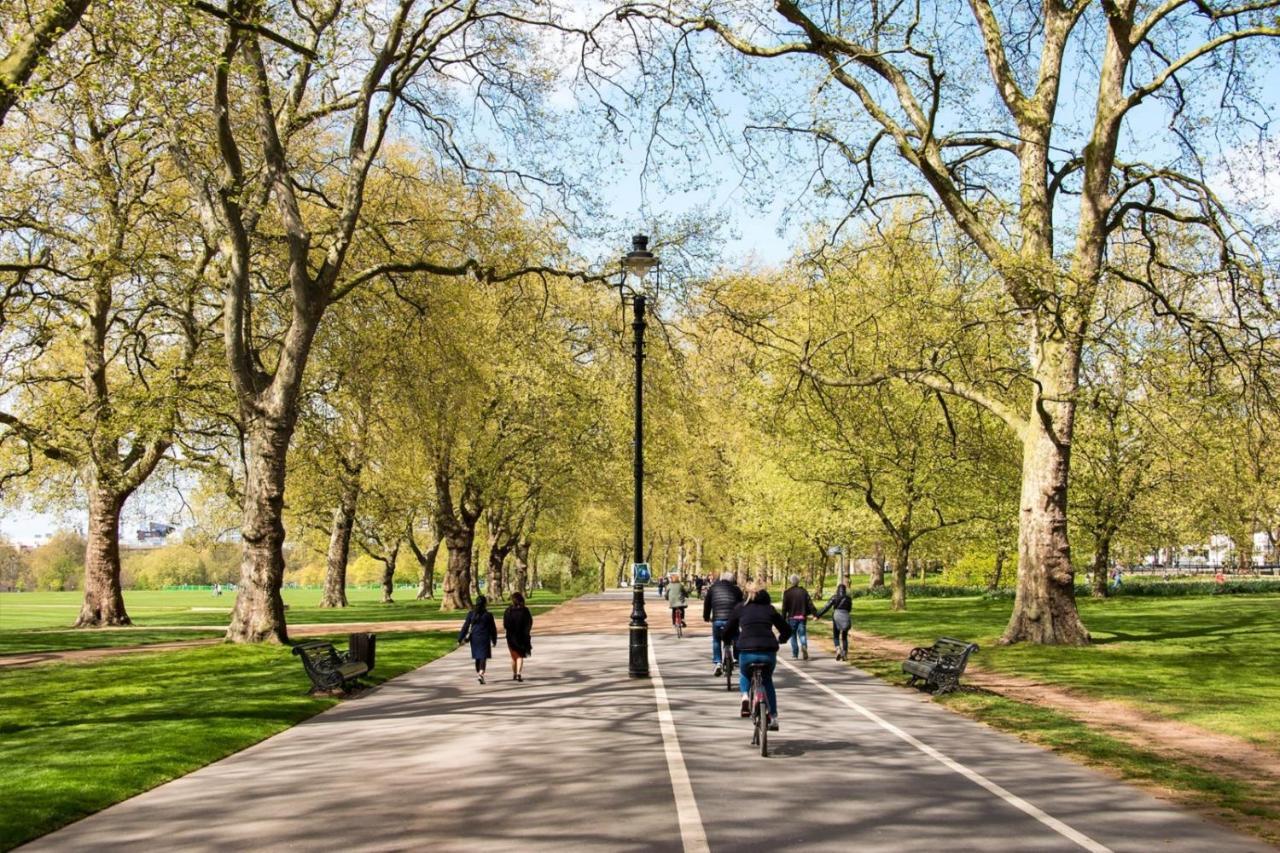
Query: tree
(288, 115)
(29, 45)
(1045, 192)
(110, 320)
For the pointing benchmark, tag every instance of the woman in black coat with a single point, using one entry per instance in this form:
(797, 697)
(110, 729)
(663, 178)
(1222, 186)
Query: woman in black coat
(517, 622)
(483, 633)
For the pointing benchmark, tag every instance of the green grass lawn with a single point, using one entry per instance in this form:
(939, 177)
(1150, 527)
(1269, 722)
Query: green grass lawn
(44, 640)
(75, 738)
(38, 621)
(1205, 660)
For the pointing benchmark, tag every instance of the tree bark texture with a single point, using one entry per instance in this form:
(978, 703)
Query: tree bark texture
(427, 562)
(1044, 608)
(1101, 564)
(901, 563)
(335, 570)
(457, 576)
(997, 573)
(258, 615)
(520, 567)
(389, 573)
(103, 598)
(877, 567)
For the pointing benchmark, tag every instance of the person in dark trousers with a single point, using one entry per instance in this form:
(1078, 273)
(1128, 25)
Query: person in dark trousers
(698, 583)
(480, 628)
(797, 606)
(752, 626)
(841, 607)
(722, 596)
(517, 623)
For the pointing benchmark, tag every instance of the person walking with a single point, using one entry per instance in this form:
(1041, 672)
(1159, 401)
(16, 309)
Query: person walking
(517, 623)
(481, 630)
(752, 625)
(698, 583)
(841, 607)
(677, 599)
(721, 598)
(797, 606)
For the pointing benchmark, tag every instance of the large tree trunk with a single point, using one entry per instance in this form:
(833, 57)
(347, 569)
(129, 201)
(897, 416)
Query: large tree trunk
(901, 563)
(877, 567)
(335, 571)
(1101, 564)
(1044, 607)
(496, 583)
(520, 573)
(427, 562)
(457, 577)
(103, 597)
(389, 574)
(259, 611)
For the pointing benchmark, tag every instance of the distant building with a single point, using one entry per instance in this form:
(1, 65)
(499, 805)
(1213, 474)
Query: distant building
(155, 533)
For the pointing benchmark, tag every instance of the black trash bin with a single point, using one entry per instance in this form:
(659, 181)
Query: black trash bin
(362, 647)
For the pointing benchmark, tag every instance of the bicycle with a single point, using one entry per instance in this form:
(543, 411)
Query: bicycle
(759, 709)
(726, 659)
(677, 619)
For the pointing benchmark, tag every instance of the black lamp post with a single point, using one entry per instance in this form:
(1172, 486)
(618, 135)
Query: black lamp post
(638, 263)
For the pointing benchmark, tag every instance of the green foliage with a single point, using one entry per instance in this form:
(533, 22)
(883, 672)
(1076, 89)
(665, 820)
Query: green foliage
(181, 564)
(56, 565)
(976, 568)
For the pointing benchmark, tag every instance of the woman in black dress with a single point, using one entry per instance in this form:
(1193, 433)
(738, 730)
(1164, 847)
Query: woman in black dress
(483, 633)
(517, 621)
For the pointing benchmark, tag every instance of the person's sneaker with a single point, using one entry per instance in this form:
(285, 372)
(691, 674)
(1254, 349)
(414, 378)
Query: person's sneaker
(796, 657)
(804, 650)
(719, 670)
(480, 678)
(773, 723)
(520, 677)
(746, 707)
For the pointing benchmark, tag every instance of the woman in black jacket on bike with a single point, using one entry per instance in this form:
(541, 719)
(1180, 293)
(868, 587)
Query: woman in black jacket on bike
(483, 633)
(753, 624)
(517, 622)
(841, 607)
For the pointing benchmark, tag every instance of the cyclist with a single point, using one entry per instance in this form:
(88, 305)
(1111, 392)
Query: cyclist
(752, 625)
(677, 599)
(717, 606)
(841, 607)
(797, 606)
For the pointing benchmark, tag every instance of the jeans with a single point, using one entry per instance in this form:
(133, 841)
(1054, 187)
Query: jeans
(717, 628)
(770, 660)
(799, 637)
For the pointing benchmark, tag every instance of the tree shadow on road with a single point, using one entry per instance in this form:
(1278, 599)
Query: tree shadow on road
(795, 748)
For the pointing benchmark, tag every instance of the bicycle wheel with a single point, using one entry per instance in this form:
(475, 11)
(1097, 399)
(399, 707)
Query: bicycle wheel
(728, 667)
(762, 713)
(679, 627)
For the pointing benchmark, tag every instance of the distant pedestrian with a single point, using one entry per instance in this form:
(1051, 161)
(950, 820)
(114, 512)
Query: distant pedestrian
(481, 630)
(841, 607)
(797, 606)
(1117, 579)
(698, 583)
(1219, 578)
(517, 622)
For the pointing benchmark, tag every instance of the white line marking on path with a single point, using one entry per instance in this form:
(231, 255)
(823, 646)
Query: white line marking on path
(693, 836)
(972, 775)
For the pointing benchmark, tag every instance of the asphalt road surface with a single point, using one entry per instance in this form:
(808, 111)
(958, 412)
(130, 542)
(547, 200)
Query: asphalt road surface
(580, 757)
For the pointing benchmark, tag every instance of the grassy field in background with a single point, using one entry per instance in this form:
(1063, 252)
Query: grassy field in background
(39, 621)
(75, 738)
(1209, 661)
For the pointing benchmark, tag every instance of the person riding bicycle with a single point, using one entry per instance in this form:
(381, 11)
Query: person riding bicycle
(677, 599)
(797, 606)
(752, 626)
(717, 606)
(841, 607)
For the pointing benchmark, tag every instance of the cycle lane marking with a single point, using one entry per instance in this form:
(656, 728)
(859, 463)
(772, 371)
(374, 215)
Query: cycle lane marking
(692, 834)
(974, 776)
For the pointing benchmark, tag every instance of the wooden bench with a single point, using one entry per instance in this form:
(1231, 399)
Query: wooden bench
(940, 665)
(327, 669)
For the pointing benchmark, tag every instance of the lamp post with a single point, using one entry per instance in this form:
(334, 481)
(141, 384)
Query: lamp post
(638, 263)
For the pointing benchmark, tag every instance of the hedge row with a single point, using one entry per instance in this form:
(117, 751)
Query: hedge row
(1128, 588)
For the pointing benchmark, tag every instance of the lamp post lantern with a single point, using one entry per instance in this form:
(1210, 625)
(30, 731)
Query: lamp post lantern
(638, 263)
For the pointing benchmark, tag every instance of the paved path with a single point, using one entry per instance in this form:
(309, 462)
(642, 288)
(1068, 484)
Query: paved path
(580, 757)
